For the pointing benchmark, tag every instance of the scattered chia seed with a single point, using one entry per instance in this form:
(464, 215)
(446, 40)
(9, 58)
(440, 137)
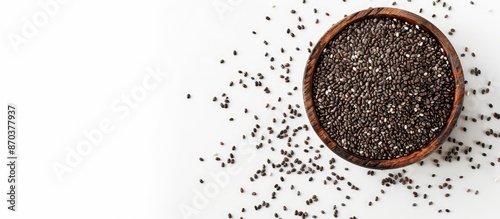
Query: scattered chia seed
(302, 158)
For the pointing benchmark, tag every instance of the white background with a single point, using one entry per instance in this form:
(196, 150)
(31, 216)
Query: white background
(67, 76)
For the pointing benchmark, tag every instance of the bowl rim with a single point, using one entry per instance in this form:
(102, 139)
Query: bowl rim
(411, 18)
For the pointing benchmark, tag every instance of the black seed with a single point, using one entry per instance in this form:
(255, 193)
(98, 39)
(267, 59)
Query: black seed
(339, 82)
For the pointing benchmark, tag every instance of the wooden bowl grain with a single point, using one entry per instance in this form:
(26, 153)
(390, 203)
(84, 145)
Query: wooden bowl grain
(452, 59)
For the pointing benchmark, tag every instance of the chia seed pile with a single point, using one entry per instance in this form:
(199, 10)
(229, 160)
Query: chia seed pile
(298, 177)
(383, 88)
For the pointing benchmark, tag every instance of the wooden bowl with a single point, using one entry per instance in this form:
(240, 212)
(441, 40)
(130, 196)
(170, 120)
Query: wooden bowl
(452, 59)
